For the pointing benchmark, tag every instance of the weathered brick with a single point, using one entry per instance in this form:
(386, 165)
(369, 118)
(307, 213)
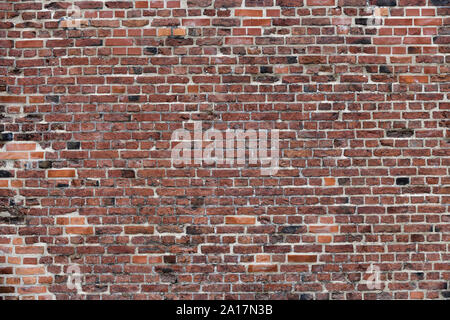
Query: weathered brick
(240, 220)
(299, 258)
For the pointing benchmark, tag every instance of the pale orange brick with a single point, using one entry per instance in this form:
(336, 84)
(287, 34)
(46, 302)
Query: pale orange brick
(381, 11)
(14, 260)
(4, 183)
(12, 280)
(37, 99)
(141, 4)
(30, 271)
(416, 295)
(29, 280)
(179, 32)
(263, 258)
(77, 220)
(79, 230)
(118, 89)
(329, 181)
(240, 220)
(164, 32)
(140, 259)
(17, 183)
(37, 155)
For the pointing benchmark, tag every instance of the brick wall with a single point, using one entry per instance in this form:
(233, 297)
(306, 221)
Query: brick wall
(91, 93)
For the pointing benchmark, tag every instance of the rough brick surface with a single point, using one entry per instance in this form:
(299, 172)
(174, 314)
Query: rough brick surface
(89, 99)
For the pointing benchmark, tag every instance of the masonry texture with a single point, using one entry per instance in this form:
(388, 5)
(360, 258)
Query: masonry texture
(90, 96)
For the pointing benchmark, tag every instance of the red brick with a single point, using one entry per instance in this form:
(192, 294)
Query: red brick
(248, 13)
(79, 230)
(139, 229)
(20, 146)
(413, 79)
(300, 258)
(256, 22)
(29, 44)
(428, 22)
(14, 155)
(323, 229)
